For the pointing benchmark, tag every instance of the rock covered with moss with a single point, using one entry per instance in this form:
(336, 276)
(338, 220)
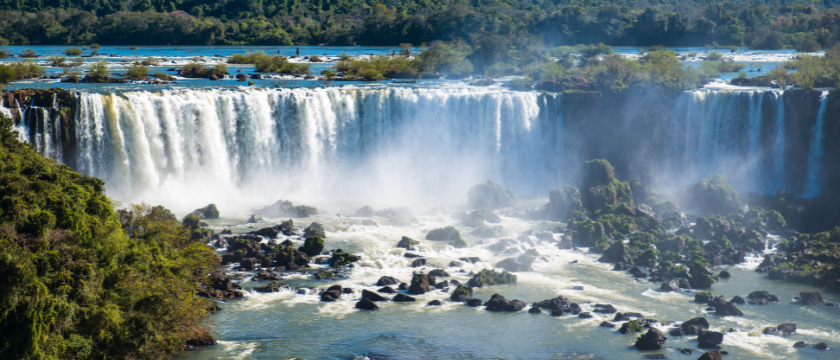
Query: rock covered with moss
(285, 209)
(601, 188)
(478, 217)
(312, 246)
(448, 233)
(563, 203)
(342, 258)
(654, 339)
(207, 212)
(490, 195)
(314, 229)
(713, 195)
(488, 277)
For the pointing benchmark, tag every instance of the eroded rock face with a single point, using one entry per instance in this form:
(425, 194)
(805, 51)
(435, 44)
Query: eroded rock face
(811, 298)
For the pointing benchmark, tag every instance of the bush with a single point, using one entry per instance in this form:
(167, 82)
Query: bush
(136, 72)
(150, 61)
(28, 54)
(7, 74)
(98, 72)
(488, 277)
(314, 58)
(27, 69)
(220, 70)
(73, 51)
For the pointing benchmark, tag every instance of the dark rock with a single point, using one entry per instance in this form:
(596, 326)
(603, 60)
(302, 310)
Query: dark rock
(604, 309)
(366, 304)
(737, 300)
(607, 324)
(267, 232)
(412, 256)
(471, 260)
(711, 355)
(725, 308)
(684, 283)
(691, 327)
(821, 346)
(787, 328)
(403, 298)
(535, 310)
(332, 293)
(671, 285)
(434, 303)
(373, 296)
(438, 273)
(725, 274)
(490, 195)
(418, 263)
(420, 284)
(585, 315)
(407, 243)
(709, 339)
(499, 303)
(557, 303)
(811, 298)
(201, 338)
(403, 286)
(557, 312)
(442, 285)
(687, 351)
(762, 295)
(703, 297)
(656, 356)
(654, 339)
(454, 263)
(387, 290)
(475, 302)
(461, 293)
(574, 308)
(387, 280)
(800, 344)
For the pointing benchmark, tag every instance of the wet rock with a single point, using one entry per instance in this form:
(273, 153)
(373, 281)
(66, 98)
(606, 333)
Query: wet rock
(725, 308)
(254, 219)
(604, 309)
(471, 260)
(407, 243)
(442, 285)
(811, 298)
(630, 326)
(461, 293)
(684, 283)
(373, 296)
(607, 324)
(418, 263)
(434, 303)
(654, 339)
(420, 284)
(711, 355)
(475, 302)
(709, 339)
(403, 298)
(201, 338)
(671, 285)
(403, 286)
(557, 303)
(366, 304)
(821, 346)
(412, 256)
(787, 328)
(332, 293)
(656, 356)
(535, 310)
(267, 232)
(490, 195)
(574, 308)
(585, 315)
(387, 290)
(557, 312)
(367, 222)
(499, 303)
(703, 297)
(800, 344)
(438, 273)
(737, 300)
(387, 280)
(271, 287)
(725, 274)
(454, 263)
(691, 327)
(513, 265)
(687, 351)
(757, 295)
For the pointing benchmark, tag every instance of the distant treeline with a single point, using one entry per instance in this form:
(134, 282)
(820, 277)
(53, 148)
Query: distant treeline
(806, 25)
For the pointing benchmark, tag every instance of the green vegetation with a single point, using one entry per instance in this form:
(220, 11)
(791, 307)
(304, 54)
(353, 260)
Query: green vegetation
(136, 72)
(73, 51)
(150, 61)
(98, 73)
(29, 53)
(83, 281)
(19, 70)
(208, 212)
(769, 25)
(268, 63)
(312, 246)
(634, 326)
(448, 233)
(488, 277)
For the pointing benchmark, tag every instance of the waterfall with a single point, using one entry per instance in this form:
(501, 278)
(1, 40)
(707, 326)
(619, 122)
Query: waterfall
(385, 143)
(812, 187)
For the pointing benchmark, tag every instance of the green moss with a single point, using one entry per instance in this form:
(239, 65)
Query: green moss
(635, 326)
(314, 229)
(312, 246)
(489, 277)
(207, 212)
(444, 234)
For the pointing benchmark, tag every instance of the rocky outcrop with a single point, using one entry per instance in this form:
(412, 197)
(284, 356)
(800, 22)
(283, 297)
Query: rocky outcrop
(811, 298)
(499, 303)
(490, 195)
(366, 304)
(654, 339)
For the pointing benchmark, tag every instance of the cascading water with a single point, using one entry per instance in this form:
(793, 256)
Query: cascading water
(815, 154)
(372, 142)
(385, 145)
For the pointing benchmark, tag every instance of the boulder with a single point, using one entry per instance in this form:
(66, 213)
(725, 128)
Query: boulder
(535, 310)
(455, 263)
(691, 327)
(418, 263)
(585, 315)
(364, 211)
(372, 296)
(461, 293)
(711, 355)
(387, 290)
(438, 273)
(420, 284)
(821, 346)
(475, 302)
(811, 298)
(201, 338)
(312, 246)
(513, 265)
(703, 297)
(490, 195)
(366, 304)
(604, 309)
(725, 308)
(557, 312)
(563, 203)
(607, 324)
(403, 298)
(737, 300)
(559, 302)
(332, 293)
(756, 295)
(434, 303)
(654, 339)
(670, 285)
(787, 328)
(499, 303)
(407, 243)
(709, 339)
(387, 280)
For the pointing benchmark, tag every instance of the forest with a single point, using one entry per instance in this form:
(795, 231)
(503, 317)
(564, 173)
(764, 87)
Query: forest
(804, 25)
